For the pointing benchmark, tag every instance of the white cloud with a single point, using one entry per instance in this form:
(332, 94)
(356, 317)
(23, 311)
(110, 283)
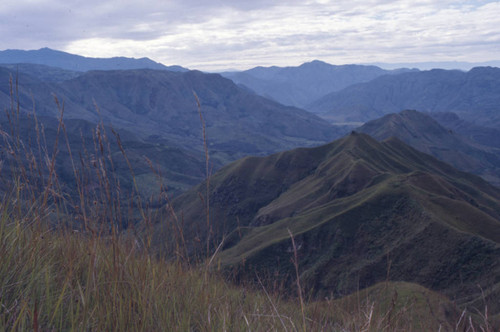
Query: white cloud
(224, 33)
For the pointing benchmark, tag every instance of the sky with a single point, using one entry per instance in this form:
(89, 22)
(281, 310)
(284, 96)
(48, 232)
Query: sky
(224, 34)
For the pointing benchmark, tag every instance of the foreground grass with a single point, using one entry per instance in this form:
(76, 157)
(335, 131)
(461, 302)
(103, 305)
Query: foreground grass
(61, 280)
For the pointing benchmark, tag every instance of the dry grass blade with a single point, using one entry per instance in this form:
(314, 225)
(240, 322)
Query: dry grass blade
(295, 262)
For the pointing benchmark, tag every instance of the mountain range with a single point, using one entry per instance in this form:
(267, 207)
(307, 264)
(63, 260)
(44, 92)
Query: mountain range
(48, 57)
(302, 85)
(423, 133)
(160, 107)
(486, 136)
(361, 212)
(474, 96)
(450, 65)
(161, 104)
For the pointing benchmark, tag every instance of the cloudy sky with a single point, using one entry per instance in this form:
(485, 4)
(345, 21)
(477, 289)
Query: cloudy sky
(220, 34)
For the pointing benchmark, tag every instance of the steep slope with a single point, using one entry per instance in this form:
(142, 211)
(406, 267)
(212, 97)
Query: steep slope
(423, 133)
(486, 136)
(361, 212)
(180, 168)
(161, 104)
(73, 62)
(42, 72)
(473, 95)
(300, 86)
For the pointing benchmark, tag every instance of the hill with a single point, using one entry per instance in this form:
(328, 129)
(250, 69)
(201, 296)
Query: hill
(72, 62)
(423, 133)
(361, 212)
(300, 86)
(472, 95)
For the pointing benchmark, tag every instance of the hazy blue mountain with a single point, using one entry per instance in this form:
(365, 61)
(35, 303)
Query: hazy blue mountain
(159, 106)
(299, 86)
(460, 65)
(473, 95)
(42, 72)
(162, 104)
(181, 168)
(423, 133)
(53, 58)
(486, 136)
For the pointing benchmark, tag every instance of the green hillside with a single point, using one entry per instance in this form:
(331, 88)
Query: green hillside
(361, 212)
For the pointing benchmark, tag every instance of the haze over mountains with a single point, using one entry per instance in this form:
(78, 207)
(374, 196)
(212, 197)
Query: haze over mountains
(423, 133)
(483, 135)
(302, 85)
(398, 205)
(473, 95)
(160, 105)
(72, 62)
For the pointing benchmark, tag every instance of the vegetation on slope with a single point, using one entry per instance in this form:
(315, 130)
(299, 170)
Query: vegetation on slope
(63, 280)
(86, 261)
(423, 133)
(361, 211)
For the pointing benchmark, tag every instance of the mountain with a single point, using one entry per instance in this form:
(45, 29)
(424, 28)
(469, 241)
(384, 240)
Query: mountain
(159, 106)
(72, 62)
(360, 211)
(423, 133)
(180, 168)
(479, 134)
(42, 72)
(473, 95)
(300, 86)
(460, 65)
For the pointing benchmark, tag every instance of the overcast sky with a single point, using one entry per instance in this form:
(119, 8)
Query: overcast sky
(219, 34)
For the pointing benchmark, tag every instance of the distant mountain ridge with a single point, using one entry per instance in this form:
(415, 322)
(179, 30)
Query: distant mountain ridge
(301, 85)
(423, 133)
(450, 65)
(473, 95)
(42, 72)
(483, 135)
(63, 60)
(159, 106)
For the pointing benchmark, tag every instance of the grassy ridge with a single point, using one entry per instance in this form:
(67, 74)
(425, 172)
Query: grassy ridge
(357, 208)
